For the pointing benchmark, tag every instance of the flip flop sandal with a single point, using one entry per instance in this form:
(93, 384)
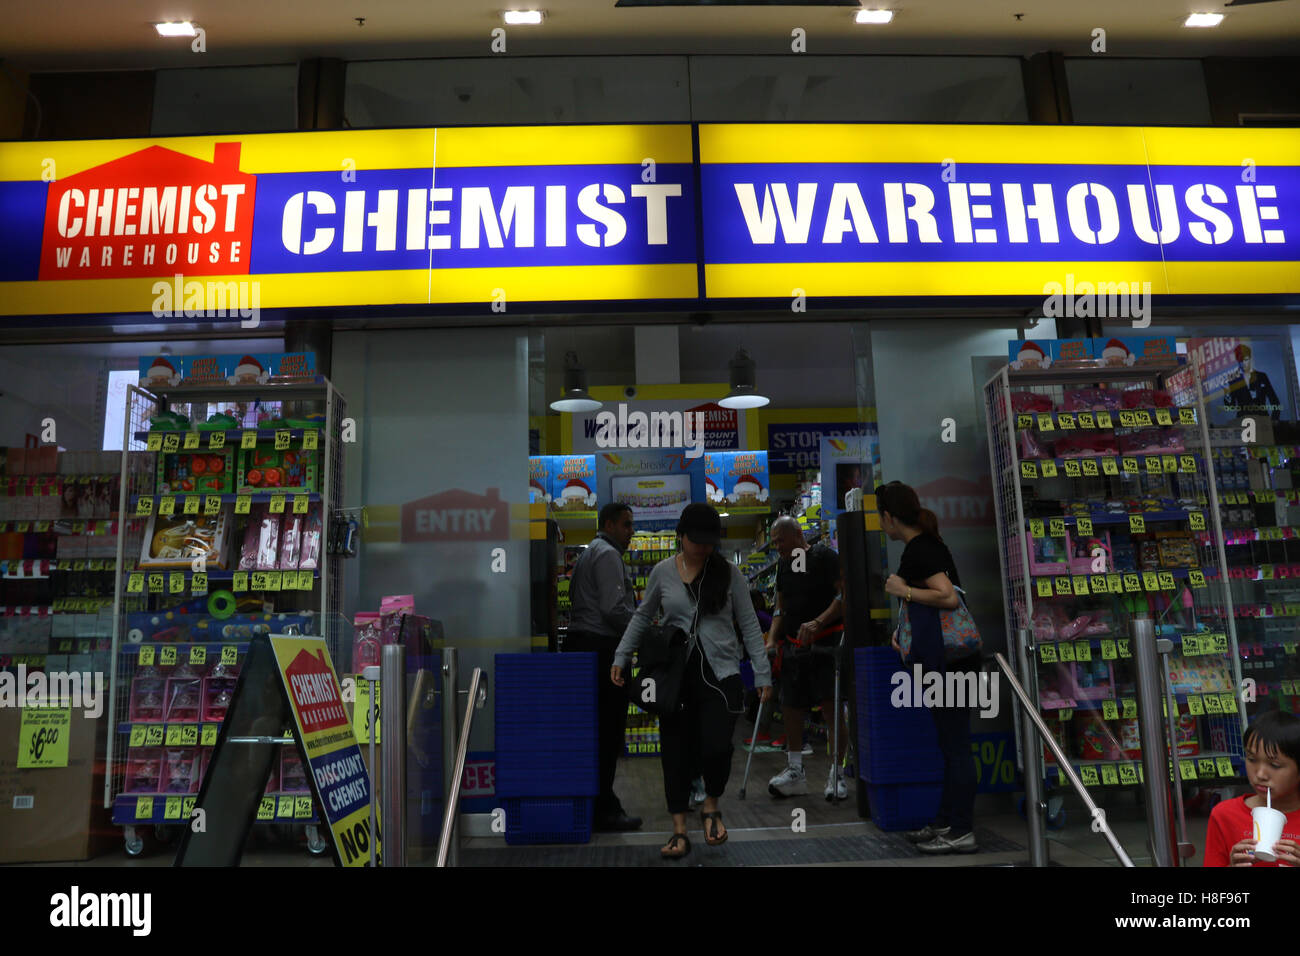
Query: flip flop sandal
(716, 817)
(672, 846)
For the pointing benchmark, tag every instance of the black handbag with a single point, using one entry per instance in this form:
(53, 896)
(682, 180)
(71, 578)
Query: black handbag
(661, 660)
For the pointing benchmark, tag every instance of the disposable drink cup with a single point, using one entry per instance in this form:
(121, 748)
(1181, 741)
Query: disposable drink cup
(1268, 830)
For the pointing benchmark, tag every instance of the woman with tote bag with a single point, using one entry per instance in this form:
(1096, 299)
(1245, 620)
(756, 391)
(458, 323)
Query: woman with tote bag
(701, 593)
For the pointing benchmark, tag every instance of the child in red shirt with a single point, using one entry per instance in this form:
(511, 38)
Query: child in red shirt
(1272, 745)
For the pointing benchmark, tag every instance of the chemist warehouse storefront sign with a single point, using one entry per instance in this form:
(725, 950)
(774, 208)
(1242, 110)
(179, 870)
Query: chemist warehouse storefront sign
(491, 218)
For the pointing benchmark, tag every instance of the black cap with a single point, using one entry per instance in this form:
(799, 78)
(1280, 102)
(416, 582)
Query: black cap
(700, 523)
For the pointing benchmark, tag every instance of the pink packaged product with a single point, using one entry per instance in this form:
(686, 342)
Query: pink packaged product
(147, 699)
(268, 542)
(293, 778)
(217, 692)
(367, 647)
(248, 550)
(1047, 622)
(1055, 686)
(1081, 556)
(1030, 402)
(1091, 400)
(1086, 444)
(1031, 446)
(309, 549)
(273, 782)
(1048, 555)
(1151, 441)
(290, 542)
(183, 699)
(181, 771)
(143, 770)
(391, 611)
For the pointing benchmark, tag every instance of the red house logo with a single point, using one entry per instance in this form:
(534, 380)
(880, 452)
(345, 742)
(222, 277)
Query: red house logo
(457, 516)
(155, 212)
(315, 693)
(959, 503)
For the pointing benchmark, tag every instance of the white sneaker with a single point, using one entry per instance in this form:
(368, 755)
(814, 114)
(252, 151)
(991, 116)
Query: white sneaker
(836, 785)
(790, 782)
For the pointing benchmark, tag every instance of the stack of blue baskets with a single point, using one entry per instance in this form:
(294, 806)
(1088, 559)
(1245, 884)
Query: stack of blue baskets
(900, 760)
(546, 746)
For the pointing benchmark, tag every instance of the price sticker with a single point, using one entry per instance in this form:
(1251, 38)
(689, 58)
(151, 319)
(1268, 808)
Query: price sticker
(216, 440)
(1130, 465)
(1045, 423)
(189, 735)
(1128, 774)
(1187, 769)
(192, 503)
(1206, 767)
(1166, 580)
(157, 583)
(282, 439)
(1196, 578)
(135, 583)
(198, 654)
(259, 580)
(1065, 714)
(208, 737)
(172, 808)
(1044, 587)
(1115, 583)
(1086, 420)
(1265, 497)
(1142, 418)
(1084, 527)
(153, 735)
(310, 437)
(212, 504)
(176, 582)
(1192, 646)
(1047, 653)
(1126, 419)
(144, 808)
(248, 440)
(1290, 647)
(1064, 586)
(1022, 421)
(167, 655)
(1065, 420)
(1109, 466)
(300, 504)
(1129, 707)
(1109, 710)
(1187, 463)
(1082, 651)
(146, 655)
(285, 807)
(1028, 469)
(306, 581)
(277, 504)
(1109, 774)
(1132, 583)
(1137, 524)
(1266, 572)
(1220, 643)
(1288, 687)
(1228, 703)
(1196, 520)
(301, 808)
(1224, 766)
(243, 504)
(1163, 417)
(199, 583)
(1036, 527)
(174, 735)
(1171, 464)
(1080, 585)
(266, 808)
(1089, 466)
(1124, 649)
(1049, 468)
(1195, 706)
(1098, 584)
(1213, 705)
(1154, 465)
(273, 581)
(1056, 527)
(144, 506)
(1150, 581)
(1104, 420)
(229, 655)
(171, 442)
(239, 581)
(1072, 469)
(1066, 652)
(137, 735)
(191, 441)
(1089, 776)
(153, 442)
(1108, 652)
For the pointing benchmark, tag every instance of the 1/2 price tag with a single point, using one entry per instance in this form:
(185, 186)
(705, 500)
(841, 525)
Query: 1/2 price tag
(153, 735)
(1056, 527)
(301, 808)
(143, 506)
(1130, 465)
(167, 655)
(266, 808)
(1047, 653)
(211, 504)
(199, 583)
(1206, 767)
(259, 580)
(1064, 585)
(1196, 578)
(1086, 420)
(1187, 416)
(1154, 465)
(1187, 464)
(248, 440)
(1196, 520)
(1022, 422)
(1126, 419)
(1142, 418)
(1065, 420)
(1191, 645)
(229, 655)
(1213, 705)
(282, 439)
(1128, 774)
(1132, 583)
(1090, 469)
(1028, 469)
(1137, 524)
(198, 654)
(157, 583)
(171, 442)
(1088, 775)
(1166, 580)
(216, 440)
(1099, 584)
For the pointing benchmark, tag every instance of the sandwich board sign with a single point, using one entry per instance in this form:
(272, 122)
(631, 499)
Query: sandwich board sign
(287, 686)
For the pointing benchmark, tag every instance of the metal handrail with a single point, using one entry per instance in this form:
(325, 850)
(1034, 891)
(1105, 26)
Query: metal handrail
(462, 747)
(1099, 824)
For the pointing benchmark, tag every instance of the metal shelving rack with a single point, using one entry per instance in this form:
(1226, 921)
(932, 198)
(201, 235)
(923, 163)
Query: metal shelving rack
(318, 608)
(1016, 484)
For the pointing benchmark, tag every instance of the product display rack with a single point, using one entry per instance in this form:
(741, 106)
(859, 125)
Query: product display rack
(1120, 525)
(641, 738)
(178, 641)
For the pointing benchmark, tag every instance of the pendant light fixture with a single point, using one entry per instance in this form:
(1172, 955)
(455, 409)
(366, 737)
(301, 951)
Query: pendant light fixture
(575, 397)
(744, 393)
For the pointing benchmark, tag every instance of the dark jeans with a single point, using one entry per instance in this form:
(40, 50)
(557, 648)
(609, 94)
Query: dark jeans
(696, 741)
(957, 805)
(611, 717)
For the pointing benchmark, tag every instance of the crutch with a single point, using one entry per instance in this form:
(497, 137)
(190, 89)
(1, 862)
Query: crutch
(753, 745)
(835, 733)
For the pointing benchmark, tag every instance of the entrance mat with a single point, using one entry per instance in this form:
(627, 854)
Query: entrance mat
(782, 852)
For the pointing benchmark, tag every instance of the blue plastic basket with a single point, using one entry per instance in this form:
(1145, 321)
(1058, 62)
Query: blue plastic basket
(533, 820)
(897, 744)
(903, 806)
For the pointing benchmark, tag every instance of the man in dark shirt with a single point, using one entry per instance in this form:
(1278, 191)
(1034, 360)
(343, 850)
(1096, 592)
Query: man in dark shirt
(601, 596)
(807, 602)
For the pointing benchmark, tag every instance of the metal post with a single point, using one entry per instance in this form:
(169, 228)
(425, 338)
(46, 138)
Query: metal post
(371, 676)
(1155, 749)
(450, 736)
(1185, 849)
(475, 699)
(1035, 805)
(393, 720)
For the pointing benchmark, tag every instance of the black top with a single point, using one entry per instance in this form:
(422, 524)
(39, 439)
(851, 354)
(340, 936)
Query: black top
(807, 593)
(923, 558)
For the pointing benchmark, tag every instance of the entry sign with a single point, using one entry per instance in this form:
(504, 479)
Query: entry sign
(337, 770)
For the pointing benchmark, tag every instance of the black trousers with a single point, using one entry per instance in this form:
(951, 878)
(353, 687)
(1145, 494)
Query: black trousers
(611, 717)
(696, 741)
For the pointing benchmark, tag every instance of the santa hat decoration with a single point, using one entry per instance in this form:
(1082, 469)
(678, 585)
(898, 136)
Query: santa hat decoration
(750, 478)
(575, 488)
(1031, 354)
(163, 371)
(1117, 353)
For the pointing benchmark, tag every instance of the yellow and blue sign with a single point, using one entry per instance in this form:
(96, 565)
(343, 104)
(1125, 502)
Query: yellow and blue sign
(492, 217)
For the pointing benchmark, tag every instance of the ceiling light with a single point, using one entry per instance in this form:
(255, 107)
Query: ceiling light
(1203, 20)
(743, 394)
(523, 17)
(182, 29)
(874, 16)
(575, 397)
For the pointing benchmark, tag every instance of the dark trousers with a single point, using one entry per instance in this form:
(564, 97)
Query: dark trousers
(611, 717)
(696, 741)
(957, 805)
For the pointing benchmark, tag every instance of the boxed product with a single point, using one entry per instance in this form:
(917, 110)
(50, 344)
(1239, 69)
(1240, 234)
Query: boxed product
(290, 541)
(1091, 400)
(265, 469)
(198, 472)
(1056, 687)
(1048, 555)
(367, 643)
(1189, 742)
(143, 770)
(147, 697)
(268, 541)
(175, 541)
(252, 535)
(293, 776)
(182, 700)
(309, 549)
(1094, 679)
(1177, 549)
(217, 692)
(1130, 739)
(1097, 741)
(1081, 554)
(181, 771)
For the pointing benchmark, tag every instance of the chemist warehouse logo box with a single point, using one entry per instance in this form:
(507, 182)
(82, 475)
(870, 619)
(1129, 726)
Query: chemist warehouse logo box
(576, 214)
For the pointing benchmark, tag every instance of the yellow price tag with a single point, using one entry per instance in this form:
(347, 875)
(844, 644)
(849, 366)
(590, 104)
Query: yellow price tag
(1128, 774)
(277, 504)
(1049, 468)
(1130, 465)
(1154, 465)
(135, 583)
(1045, 423)
(217, 440)
(1089, 776)
(137, 735)
(192, 503)
(1022, 421)
(1150, 581)
(199, 583)
(306, 580)
(1228, 703)
(1123, 645)
(1080, 585)
(1065, 714)
(1098, 584)
(1130, 707)
(243, 504)
(1109, 466)
(266, 808)
(146, 655)
(1142, 417)
(1196, 521)
(1036, 527)
(1212, 704)
(1187, 416)
(167, 655)
(1047, 653)
(1072, 469)
(143, 808)
(176, 582)
(1114, 583)
(301, 808)
(285, 808)
(1109, 710)
(174, 735)
(1187, 463)
(1109, 774)
(171, 442)
(248, 440)
(1090, 467)
(282, 439)
(144, 506)
(300, 504)
(1187, 769)
(1171, 464)
(1108, 652)
(1056, 527)
(1064, 585)
(1195, 706)
(1166, 580)
(229, 655)
(209, 736)
(157, 583)
(1086, 420)
(310, 437)
(239, 581)
(212, 504)
(191, 441)
(1065, 420)
(1028, 469)
(1082, 651)
(1044, 587)
(1163, 417)
(198, 654)
(1084, 527)
(1196, 578)
(172, 808)
(153, 442)
(273, 581)
(259, 581)
(1224, 766)
(1104, 420)
(1132, 583)
(1066, 652)
(1290, 647)
(1126, 419)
